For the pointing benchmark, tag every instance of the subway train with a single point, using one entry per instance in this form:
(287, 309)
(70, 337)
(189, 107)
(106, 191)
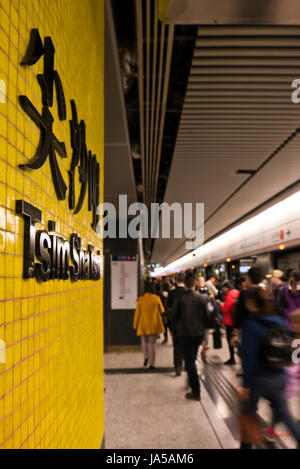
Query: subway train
(270, 239)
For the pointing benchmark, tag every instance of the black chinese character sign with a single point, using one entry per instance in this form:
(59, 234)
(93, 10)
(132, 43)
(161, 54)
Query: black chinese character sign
(49, 145)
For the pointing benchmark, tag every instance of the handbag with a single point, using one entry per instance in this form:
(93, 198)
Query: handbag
(250, 430)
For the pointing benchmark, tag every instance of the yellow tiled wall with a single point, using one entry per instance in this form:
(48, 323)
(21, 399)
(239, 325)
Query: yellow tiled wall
(51, 387)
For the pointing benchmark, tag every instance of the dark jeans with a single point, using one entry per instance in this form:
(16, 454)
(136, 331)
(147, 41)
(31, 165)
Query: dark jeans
(190, 347)
(177, 354)
(272, 389)
(229, 330)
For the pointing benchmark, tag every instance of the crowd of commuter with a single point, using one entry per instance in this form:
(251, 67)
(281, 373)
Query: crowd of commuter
(259, 318)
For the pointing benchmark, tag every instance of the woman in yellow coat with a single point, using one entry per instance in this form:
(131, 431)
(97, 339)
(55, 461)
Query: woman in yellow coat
(148, 322)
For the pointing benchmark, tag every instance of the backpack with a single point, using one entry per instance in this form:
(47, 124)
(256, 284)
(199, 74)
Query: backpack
(277, 346)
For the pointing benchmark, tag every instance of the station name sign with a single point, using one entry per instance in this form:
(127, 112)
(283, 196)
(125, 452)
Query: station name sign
(58, 258)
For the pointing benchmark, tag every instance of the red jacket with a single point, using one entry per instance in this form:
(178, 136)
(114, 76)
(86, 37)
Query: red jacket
(228, 306)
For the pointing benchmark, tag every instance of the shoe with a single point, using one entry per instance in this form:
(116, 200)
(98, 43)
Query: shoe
(178, 373)
(230, 362)
(193, 396)
(146, 362)
(269, 434)
(152, 367)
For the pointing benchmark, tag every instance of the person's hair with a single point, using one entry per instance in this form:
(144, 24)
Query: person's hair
(189, 281)
(201, 280)
(180, 278)
(158, 287)
(293, 279)
(241, 279)
(149, 287)
(166, 286)
(288, 273)
(255, 274)
(295, 274)
(227, 284)
(261, 302)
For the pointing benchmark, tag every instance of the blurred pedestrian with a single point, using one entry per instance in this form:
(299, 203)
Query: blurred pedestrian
(241, 283)
(189, 316)
(148, 322)
(173, 296)
(261, 378)
(288, 297)
(253, 278)
(227, 309)
(203, 290)
(211, 285)
(277, 282)
(201, 286)
(165, 293)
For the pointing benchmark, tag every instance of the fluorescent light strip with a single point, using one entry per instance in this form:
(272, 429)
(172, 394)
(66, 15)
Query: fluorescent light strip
(283, 212)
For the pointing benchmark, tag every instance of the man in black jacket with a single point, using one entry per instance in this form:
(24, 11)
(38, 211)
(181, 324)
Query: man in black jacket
(189, 318)
(173, 296)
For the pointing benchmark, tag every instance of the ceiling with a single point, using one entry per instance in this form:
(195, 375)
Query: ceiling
(232, 105)
(229, 11)
(237, 115)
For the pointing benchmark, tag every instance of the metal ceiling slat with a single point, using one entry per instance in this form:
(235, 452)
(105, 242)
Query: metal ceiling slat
(256, 61)
(247, 52)
(240, 103)
(164, 101)
(223, 137)
(240, 78)
(231, 151)
(251, 30)
(222, 131)
(252, 70)
(201, 123)
(229, 86)
(248, 120)
(153, 102)
(244, 41)
(218, 140)
(148, 25)
(158, 108)
(232, 94)
(273, 113)
(229, 144)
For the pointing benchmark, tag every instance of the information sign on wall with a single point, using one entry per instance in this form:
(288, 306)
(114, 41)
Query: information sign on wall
(124, 282)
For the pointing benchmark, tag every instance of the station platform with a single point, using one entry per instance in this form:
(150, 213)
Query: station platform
(147, 409)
